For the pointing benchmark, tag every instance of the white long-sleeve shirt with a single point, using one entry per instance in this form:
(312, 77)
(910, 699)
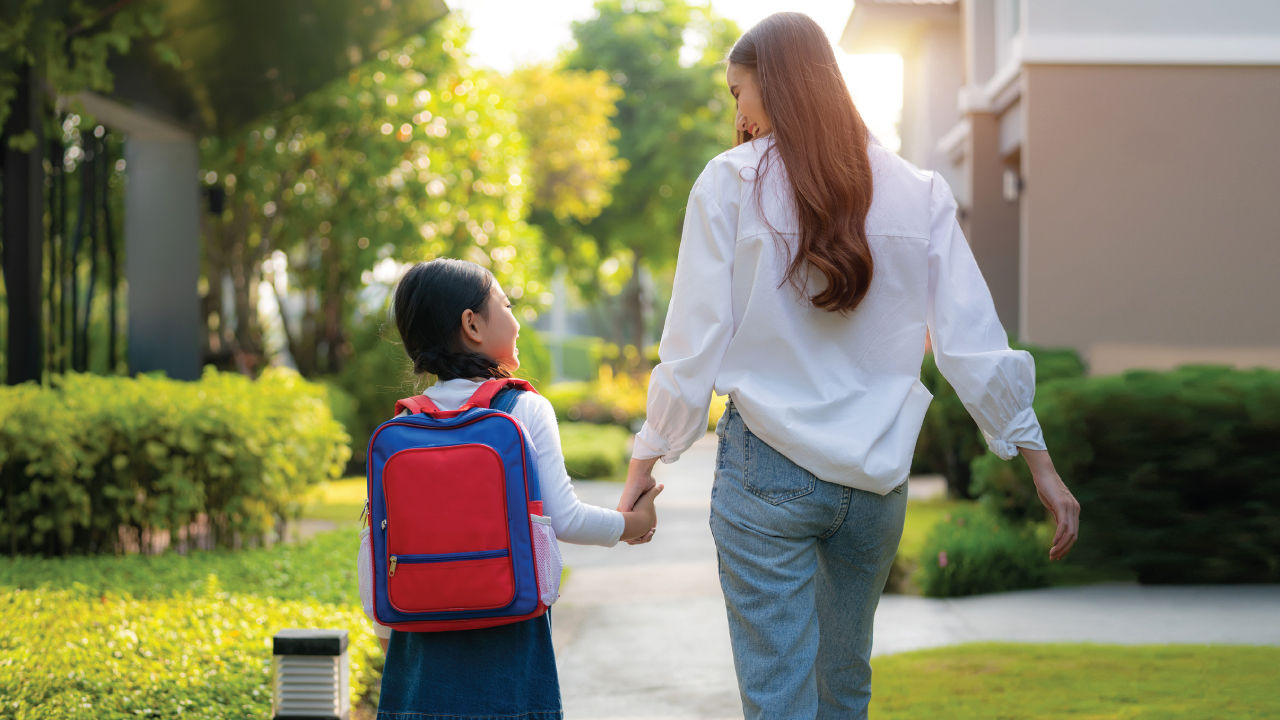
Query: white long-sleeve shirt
(574, 521)
(838, 394)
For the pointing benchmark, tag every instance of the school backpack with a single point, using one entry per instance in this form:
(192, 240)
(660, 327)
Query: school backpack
(457, 536)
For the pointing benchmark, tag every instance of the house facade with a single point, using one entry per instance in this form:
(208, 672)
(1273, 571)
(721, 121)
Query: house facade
(1117, 165)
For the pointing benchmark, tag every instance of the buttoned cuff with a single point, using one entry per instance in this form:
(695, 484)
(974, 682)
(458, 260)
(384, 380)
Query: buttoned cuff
(648, 445)
(1022, 431)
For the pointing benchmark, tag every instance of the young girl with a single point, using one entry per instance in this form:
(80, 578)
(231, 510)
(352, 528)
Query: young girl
(456, 324)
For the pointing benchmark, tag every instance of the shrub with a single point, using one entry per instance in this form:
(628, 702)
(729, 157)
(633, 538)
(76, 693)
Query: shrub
(92, 454)
(1178, 473)
(67, 654)
(594, 451)
(949, 439)
(972, 551)
(191, 632)
(612, 399)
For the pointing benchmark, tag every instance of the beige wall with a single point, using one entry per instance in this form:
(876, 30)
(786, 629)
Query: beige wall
(1151, 210)
(991, 221)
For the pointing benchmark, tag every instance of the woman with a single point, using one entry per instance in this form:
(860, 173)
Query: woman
(814, 263)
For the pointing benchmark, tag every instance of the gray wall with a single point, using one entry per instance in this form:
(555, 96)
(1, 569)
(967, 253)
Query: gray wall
(162, 256)
(1150, 215)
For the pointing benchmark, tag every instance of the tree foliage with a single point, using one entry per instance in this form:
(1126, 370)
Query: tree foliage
(675, 115)
(565, 116)
(70, 42)
(411, 156)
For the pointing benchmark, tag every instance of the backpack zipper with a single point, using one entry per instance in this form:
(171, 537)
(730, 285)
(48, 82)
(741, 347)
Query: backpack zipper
(445, 557)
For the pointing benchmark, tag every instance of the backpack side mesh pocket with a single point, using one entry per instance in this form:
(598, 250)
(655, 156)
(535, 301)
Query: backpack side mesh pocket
(547, 553)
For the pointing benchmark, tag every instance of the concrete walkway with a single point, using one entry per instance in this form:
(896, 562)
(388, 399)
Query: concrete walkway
(640, 632)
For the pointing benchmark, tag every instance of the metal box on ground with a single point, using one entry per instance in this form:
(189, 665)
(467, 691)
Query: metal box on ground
(312, 675)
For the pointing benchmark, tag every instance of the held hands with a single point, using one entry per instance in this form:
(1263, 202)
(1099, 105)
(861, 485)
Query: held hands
(1057, 498)
(636, 504)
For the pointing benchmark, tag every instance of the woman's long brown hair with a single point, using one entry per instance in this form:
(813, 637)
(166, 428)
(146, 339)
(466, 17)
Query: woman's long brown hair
(822, 142)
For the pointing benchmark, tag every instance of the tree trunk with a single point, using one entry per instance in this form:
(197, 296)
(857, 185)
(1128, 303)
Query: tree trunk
(633, 308)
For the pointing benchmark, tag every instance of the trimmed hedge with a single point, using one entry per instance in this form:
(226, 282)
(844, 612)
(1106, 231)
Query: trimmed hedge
(91, 454)
(972, 551)
(949, 439)
(1177, 474)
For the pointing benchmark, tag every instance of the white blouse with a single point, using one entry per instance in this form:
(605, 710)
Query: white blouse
(840, 395)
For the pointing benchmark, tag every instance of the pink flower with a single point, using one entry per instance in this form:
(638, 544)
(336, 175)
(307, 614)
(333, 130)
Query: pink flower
(942, 559)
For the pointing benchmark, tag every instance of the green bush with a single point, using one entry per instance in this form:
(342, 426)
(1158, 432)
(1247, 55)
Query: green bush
(949, 439)
(1177, 474)
(612, 399)
(124, 634)
(93, 454)
(594, 451)
(65, 655)
(972, 551)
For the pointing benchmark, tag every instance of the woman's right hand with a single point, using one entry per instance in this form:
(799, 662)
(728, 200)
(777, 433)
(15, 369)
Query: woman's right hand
(641, 521)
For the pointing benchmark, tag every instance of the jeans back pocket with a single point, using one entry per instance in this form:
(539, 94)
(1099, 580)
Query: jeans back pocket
(772, 476)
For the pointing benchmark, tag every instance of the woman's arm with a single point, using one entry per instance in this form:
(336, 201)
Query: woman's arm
(698, 330)
(996, 383)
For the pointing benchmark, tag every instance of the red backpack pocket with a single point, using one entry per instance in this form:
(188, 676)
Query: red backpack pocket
(448, 545)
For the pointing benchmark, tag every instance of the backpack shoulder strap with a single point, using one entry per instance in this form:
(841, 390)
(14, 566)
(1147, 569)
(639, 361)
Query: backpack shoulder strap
(484, 395)
(506, 399)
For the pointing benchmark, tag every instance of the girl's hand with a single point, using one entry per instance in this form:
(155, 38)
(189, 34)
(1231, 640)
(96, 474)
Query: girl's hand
(641, 522)
(1057, 498)
(639, 481)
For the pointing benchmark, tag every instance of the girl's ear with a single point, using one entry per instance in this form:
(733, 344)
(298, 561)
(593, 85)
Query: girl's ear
(470, 327)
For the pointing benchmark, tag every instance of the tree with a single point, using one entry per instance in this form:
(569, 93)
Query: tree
(412, 156)
(676, 114)
(564, 116)
(69, 43)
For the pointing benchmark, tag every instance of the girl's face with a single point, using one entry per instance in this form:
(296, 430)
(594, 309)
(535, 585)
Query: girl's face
(751, 115)
(495, 332)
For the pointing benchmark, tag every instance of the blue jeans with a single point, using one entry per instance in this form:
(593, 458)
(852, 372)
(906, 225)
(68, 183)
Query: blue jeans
(802, 565)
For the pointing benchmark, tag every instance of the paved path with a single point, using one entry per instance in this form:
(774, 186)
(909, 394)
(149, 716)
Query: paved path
(640, 632)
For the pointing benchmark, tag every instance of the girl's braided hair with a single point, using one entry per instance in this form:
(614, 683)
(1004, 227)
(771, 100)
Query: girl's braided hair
(428, 305)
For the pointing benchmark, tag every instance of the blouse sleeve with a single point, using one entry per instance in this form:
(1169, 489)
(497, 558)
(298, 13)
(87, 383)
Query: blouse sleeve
(995, 383)
(573, 520)
(697, 334)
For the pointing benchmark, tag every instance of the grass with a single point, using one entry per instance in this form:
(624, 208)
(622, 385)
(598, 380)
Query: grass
(322, 569)
(921, 517)
(340, 501)
(1098, 682)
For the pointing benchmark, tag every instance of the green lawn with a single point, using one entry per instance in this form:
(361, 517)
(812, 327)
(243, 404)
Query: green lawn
(339, 500)
(992, 680)
(921, 516)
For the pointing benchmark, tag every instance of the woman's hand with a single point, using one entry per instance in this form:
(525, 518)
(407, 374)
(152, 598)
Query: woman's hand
(641, 521)
(639, 481)
(1057, 498)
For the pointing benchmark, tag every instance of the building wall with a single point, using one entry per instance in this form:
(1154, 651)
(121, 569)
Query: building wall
(992, 221)
(1149, 215)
